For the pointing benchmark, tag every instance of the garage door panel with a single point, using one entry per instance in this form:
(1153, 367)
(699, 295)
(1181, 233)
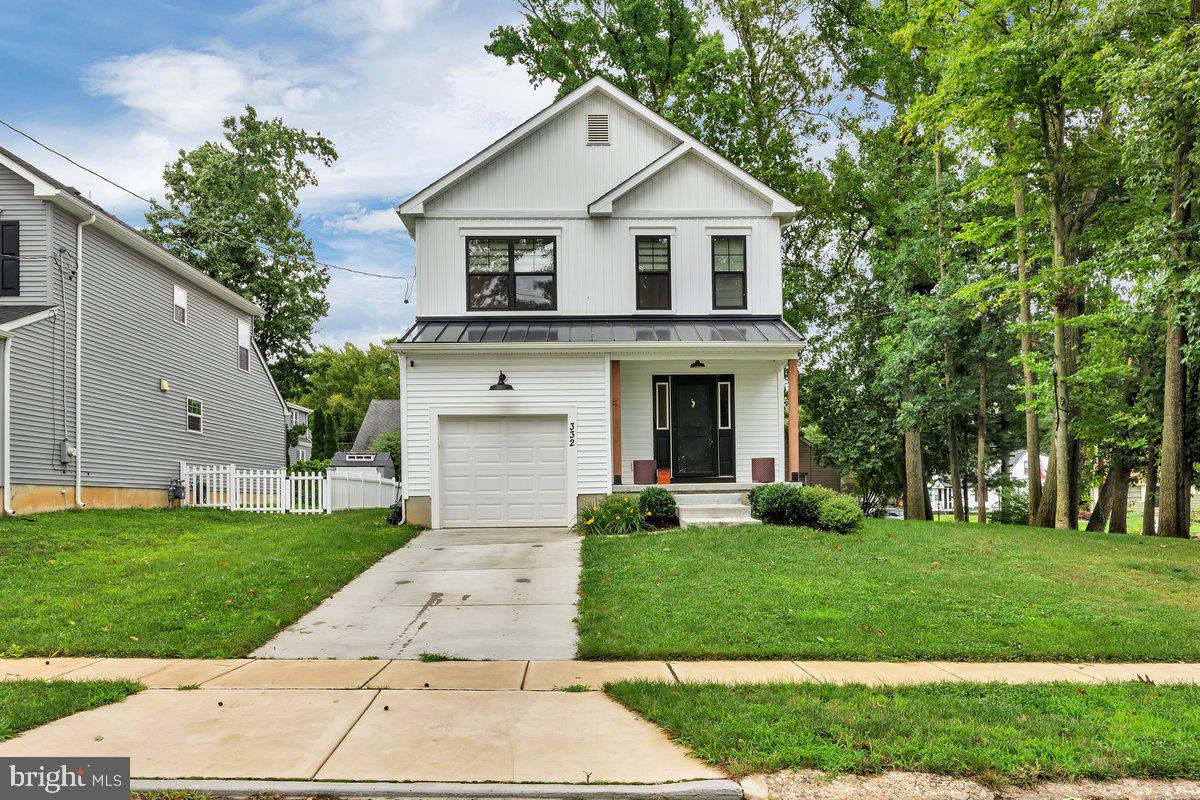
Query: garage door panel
(503, 470)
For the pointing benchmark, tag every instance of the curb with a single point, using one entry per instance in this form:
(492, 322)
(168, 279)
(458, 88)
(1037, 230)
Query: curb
(688, 790)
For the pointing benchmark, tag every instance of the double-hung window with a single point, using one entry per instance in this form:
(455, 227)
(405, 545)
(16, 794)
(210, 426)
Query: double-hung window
(10, 258)
(244, 345)
(181, 313)
(195, 416)
(729, 271)
(511, 274)
(653, 256)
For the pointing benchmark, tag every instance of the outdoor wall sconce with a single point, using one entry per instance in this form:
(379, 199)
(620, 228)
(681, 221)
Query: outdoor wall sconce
(502, 383)
(697, 363)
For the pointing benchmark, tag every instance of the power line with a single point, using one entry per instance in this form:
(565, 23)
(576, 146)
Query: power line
(154, 204)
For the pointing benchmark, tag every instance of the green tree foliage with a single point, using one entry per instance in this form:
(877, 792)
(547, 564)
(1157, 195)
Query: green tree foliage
(342, 383)
(231, 210)
(388, 442)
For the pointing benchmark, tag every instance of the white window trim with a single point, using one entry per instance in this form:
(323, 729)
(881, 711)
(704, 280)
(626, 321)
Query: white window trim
(665, 423)
(364, 457)
(177, 293)
(244, 324)
(187, 407)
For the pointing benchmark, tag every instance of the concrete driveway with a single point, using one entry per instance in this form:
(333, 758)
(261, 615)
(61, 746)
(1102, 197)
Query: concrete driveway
(494, 593)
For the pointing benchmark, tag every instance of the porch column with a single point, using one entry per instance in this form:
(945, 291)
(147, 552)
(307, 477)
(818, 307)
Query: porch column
(793, 420)
(615, 393)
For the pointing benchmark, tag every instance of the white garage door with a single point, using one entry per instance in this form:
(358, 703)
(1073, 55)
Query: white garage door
(502, 471)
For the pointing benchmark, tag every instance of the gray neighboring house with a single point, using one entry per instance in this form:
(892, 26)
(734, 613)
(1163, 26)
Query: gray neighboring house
(302, 450)
(119, 359)
(351, 462)
(382, 416)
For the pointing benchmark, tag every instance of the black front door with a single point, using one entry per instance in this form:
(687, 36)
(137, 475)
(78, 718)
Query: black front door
(694, 427)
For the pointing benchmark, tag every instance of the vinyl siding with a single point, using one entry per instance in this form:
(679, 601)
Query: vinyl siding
(553, 169)
(134, 435)
(18, 203)
(596, 261)
(757, 410)
(542, 381)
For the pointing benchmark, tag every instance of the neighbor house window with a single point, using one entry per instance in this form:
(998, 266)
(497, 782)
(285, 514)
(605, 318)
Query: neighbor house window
(360, 456)
(181, 305)
(511, 274)
(653, 255)
(195, 416)
(244, 345)
(10, 258)
(729, 271)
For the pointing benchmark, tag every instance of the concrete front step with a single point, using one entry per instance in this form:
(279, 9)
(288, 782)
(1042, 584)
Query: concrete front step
(714, 498)
(715, 511)
(703, 522)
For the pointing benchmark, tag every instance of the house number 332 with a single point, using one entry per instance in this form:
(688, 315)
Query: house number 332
(571, 435)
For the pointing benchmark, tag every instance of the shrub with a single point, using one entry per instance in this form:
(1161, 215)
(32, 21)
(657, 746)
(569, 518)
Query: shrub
(615, 514)
(658, 506)
(810, 506)
(839, 513)
(309, 465)
(1014, 507)
(776, 503)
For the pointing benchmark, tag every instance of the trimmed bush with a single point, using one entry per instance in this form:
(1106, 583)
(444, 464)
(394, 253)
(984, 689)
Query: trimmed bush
(808, 506)
(839, 513)
(658, 506)
(310, 465)
(615, 514)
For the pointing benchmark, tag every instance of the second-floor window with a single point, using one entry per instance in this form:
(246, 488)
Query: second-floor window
(181, 305)
(511, 274)
(729, 271)
(10, 258)
(653, 254)
(244, 345)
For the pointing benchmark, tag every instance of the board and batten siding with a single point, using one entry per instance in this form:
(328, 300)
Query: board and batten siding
(554, 169)
(757, 410)
(134, 434)
(596, 262)
(454, 384)
(691, 184)
(17, 203)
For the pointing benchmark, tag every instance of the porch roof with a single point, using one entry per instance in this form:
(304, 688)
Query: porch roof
(707, 330)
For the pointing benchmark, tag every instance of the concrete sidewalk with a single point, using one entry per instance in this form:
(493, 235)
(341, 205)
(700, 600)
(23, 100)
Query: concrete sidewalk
(477, 593)
(550, 675)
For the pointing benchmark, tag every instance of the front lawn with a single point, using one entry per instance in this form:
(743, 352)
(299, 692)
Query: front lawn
(28, 704)
(998, 734)
(895, 591)
(188, 583)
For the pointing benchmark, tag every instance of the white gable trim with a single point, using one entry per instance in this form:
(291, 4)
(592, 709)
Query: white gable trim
(415, 205)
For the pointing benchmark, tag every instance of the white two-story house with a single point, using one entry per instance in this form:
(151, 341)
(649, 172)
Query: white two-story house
(599, 299)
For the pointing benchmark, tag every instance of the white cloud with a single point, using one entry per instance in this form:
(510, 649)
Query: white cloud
(362, 220)
(348, 17)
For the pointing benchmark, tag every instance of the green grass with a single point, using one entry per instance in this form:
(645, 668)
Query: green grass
(28, 704)
(895, 591)
(998, 734)
(189, 584)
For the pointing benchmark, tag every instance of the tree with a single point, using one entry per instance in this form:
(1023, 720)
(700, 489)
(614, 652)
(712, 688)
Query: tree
(388, 442)
(231, 210)
(344, 382)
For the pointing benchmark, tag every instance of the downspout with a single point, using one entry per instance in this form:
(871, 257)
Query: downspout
(6, 341)
(78, 359)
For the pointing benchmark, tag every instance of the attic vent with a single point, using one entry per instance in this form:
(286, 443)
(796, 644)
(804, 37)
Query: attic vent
(597, 129)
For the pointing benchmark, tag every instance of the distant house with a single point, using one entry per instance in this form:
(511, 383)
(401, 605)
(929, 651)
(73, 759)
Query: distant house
(808, 471)
(119, 359)
(350, 463)
(382, 416)
(942, 501)
(299, 415)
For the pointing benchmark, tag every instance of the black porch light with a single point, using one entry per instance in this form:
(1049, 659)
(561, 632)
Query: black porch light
(502, 383)
(697, 363)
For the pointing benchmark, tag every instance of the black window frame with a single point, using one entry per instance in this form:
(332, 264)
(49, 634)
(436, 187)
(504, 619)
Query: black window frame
(637, 272)
(10, 259)
(713, 267)
(512, 273)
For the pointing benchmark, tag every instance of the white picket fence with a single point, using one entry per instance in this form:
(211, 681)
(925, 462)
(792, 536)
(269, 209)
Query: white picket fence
(273, 491)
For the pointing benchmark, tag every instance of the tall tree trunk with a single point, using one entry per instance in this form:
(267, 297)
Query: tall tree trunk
(1118, 515)
(1148, 527)
(1032, 430)
(1045, 514)
(1173, 500)
(981, 430)
(956, 498)
(1100, 510)
(914, 477)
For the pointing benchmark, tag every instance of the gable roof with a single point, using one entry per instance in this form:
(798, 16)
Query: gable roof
(68, 198)
(381, 416)
(780, 205)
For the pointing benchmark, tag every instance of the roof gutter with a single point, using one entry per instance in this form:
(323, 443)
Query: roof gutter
(78, 360)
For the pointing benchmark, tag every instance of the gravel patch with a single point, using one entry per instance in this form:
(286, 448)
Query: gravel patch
(815, 785)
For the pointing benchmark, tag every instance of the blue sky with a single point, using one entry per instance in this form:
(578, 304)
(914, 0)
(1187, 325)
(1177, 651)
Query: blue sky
(402, 87)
